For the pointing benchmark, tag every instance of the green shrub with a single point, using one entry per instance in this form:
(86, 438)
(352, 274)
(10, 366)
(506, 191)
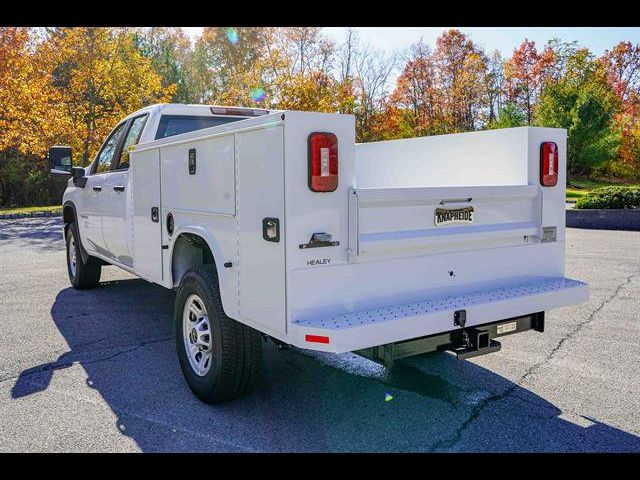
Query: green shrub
(611, 197)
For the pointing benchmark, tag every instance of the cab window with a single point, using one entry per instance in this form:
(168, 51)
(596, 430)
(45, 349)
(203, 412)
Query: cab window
(109, 149)
(132, 138)
(171, 125)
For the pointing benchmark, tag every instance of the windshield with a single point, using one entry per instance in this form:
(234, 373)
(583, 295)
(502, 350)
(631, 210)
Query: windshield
(176, 124)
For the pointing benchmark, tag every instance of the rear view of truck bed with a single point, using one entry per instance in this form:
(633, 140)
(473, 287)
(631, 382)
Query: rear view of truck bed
(438, 227)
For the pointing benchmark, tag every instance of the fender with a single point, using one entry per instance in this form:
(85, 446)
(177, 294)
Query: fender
(218, 259)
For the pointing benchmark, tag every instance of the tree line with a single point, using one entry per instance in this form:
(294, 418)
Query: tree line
(71, 85)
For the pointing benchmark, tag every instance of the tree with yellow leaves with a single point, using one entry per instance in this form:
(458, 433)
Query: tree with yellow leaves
(101, 77)
(25, 94)
(68, 86)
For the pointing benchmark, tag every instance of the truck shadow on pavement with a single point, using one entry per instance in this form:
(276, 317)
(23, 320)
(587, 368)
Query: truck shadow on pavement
(121, 334)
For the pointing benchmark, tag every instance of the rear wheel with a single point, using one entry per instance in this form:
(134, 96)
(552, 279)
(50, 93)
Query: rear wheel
(219, 357)
(81, 275)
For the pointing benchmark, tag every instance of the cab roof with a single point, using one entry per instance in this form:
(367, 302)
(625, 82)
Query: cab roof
(201, 110)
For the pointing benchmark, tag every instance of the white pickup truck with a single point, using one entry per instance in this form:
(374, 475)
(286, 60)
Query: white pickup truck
(277, 225)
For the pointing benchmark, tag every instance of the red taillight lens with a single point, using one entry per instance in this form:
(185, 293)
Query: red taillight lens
(323, 162)
(548, 164)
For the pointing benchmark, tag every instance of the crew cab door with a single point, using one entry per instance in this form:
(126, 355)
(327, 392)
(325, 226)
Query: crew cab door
(93, 195)
(116, 216)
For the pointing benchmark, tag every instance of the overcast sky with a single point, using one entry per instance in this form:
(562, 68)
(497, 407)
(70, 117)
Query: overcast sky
(505, 39)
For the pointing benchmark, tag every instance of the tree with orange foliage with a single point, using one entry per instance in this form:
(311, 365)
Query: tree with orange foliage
(443, 90)
(525, 75)
(623, 72)
(622, 66)
(418, 97)
(462, 69)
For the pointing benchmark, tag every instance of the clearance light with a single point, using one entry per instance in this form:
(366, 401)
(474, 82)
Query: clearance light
(316, 339)
(243, 112)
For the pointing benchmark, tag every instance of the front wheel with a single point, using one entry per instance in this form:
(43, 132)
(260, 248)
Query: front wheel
(219, 357)
(81, 275)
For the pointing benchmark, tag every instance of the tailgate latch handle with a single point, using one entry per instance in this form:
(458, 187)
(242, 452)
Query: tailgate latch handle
(320, 239)
(271, 229)
(455, 200)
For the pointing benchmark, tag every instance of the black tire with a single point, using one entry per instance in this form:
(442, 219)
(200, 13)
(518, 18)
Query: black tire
(87, 275)
(235, 348)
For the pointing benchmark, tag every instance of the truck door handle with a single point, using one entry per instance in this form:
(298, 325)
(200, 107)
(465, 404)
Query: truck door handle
(97, 188)
(119, 188)
(155, 217)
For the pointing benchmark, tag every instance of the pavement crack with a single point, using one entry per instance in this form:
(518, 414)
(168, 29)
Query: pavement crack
(448, 443)
(580, 325)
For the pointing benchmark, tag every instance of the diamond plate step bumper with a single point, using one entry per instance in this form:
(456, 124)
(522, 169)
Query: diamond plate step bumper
(394, 323)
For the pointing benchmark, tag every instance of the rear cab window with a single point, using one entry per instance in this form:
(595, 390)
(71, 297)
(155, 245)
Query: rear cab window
(171, 125)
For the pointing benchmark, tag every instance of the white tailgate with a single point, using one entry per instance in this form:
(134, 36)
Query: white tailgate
(392, 222)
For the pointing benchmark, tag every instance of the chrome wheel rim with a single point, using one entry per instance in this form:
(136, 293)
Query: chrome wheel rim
(72, 256)
(196, 334)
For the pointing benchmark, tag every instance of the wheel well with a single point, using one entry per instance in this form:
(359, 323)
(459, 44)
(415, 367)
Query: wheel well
(190, 250)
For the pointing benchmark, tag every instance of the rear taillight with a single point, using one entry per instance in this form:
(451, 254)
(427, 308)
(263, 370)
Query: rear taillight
(323, 162)
(548, 164)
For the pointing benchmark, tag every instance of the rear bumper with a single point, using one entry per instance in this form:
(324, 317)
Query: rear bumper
(433, 315)
(465, 343)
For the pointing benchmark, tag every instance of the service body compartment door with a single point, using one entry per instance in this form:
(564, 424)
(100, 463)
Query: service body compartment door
(147, 239)
(260, 196)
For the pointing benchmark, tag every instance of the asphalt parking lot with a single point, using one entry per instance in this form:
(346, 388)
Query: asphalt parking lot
(97, 371)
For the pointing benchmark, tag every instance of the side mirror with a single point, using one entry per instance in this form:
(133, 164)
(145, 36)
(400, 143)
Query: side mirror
(60, 160)
(78, 176)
